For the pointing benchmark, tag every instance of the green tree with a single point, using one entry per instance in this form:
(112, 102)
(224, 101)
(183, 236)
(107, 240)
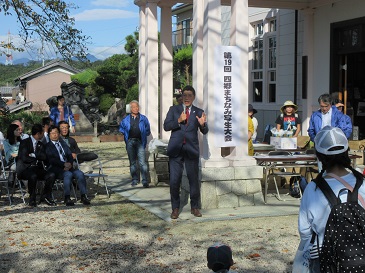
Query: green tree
(47, 20)
(183, 66)
(119, 73)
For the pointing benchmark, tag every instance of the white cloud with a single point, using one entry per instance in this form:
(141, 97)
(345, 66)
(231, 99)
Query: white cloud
(111, 3)
(104, 14)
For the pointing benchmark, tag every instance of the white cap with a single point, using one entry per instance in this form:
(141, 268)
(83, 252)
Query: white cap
(330, 137)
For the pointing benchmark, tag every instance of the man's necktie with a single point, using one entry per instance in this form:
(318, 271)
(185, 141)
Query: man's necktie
(187, 113)
(61, 152)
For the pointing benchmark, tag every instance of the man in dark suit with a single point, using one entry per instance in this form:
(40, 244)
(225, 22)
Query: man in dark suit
(70, 141)
(61, 162)
(29, 166)
(184, 121)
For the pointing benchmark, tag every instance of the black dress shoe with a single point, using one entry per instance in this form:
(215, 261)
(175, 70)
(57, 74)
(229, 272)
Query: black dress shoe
(69, 202)
(85, 200)
(145, 185)
(32, 203)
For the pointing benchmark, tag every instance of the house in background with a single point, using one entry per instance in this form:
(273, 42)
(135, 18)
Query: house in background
(44, 82)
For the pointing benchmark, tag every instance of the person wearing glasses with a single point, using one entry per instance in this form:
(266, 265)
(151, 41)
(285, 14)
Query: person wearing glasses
(184, 121)
(328, 115)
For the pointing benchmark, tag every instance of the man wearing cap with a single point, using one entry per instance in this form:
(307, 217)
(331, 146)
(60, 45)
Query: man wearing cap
(219, 257)
(184, 121)
(289, 120)
(328, 114)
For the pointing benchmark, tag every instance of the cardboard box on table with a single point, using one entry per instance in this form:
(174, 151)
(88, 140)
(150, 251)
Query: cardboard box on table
(284, 143)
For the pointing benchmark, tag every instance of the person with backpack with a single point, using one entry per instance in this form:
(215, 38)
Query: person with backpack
(325, 199)
(289, 120)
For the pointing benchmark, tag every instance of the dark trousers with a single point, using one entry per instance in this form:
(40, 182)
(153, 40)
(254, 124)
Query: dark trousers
(35, 173)
(192, 171)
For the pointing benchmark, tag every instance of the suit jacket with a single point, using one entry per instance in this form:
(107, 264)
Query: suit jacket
(24, 160)
(72, 144)
(53, 156)
(187, 130)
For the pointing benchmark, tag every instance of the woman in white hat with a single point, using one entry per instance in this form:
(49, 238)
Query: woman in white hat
(289, 120)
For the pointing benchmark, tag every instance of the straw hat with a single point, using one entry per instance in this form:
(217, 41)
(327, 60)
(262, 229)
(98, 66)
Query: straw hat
(289, 103)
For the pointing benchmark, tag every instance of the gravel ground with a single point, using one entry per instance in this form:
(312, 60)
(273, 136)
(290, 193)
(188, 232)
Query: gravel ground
(114, 235)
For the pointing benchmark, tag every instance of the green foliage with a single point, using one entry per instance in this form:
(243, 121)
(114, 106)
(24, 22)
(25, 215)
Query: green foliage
(120, 72)
(132, 94)
(183, 66)
(26, 117)
(47, 20)
(8, 73)
(88, 77)
(106, 101)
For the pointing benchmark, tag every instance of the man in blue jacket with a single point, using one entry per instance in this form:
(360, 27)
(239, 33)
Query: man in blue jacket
(135, 127)
(328, 114)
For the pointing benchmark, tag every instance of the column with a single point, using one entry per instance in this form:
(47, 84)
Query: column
(211, 38)
(240, 38)
(166, 65)
(142, 59)
(308, 50)
(198, 76)
(151, 76)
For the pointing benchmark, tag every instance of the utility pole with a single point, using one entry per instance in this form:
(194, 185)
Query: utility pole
(8, 54)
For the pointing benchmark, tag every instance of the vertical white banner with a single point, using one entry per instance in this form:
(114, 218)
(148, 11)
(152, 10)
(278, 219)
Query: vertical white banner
(227, 96)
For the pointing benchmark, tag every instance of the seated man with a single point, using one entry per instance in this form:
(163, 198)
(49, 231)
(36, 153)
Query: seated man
(70, 141)
(61, 162)
(46, 122)
(29, 166)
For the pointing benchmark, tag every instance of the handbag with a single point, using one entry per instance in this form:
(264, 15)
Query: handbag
(302, 256)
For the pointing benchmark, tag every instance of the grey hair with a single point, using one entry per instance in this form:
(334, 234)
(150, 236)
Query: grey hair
(326, 98)
(134, 101)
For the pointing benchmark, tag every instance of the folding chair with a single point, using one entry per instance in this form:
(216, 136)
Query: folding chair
(59, 185)
(4, 179)
(279, 170)
(93, 161)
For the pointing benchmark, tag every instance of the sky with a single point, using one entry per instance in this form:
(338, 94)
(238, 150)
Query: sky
(107, 22)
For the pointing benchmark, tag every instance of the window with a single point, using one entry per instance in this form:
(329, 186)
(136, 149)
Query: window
(264, 61)
(272, 26)
(272, 52)
(258, 52)
(258, 28)
(272, 86)
(257, 91)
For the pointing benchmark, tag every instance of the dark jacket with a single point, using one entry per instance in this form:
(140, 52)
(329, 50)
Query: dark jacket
(24, 160)
(53, 156)
(181, 131)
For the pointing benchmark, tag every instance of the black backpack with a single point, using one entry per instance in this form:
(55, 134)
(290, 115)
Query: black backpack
(343, 248)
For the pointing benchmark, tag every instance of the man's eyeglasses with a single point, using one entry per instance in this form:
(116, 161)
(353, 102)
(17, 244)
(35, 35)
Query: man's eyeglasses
(188, 95)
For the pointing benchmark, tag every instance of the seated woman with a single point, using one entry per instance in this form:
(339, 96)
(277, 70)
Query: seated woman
(289, 120)
(11, 145)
